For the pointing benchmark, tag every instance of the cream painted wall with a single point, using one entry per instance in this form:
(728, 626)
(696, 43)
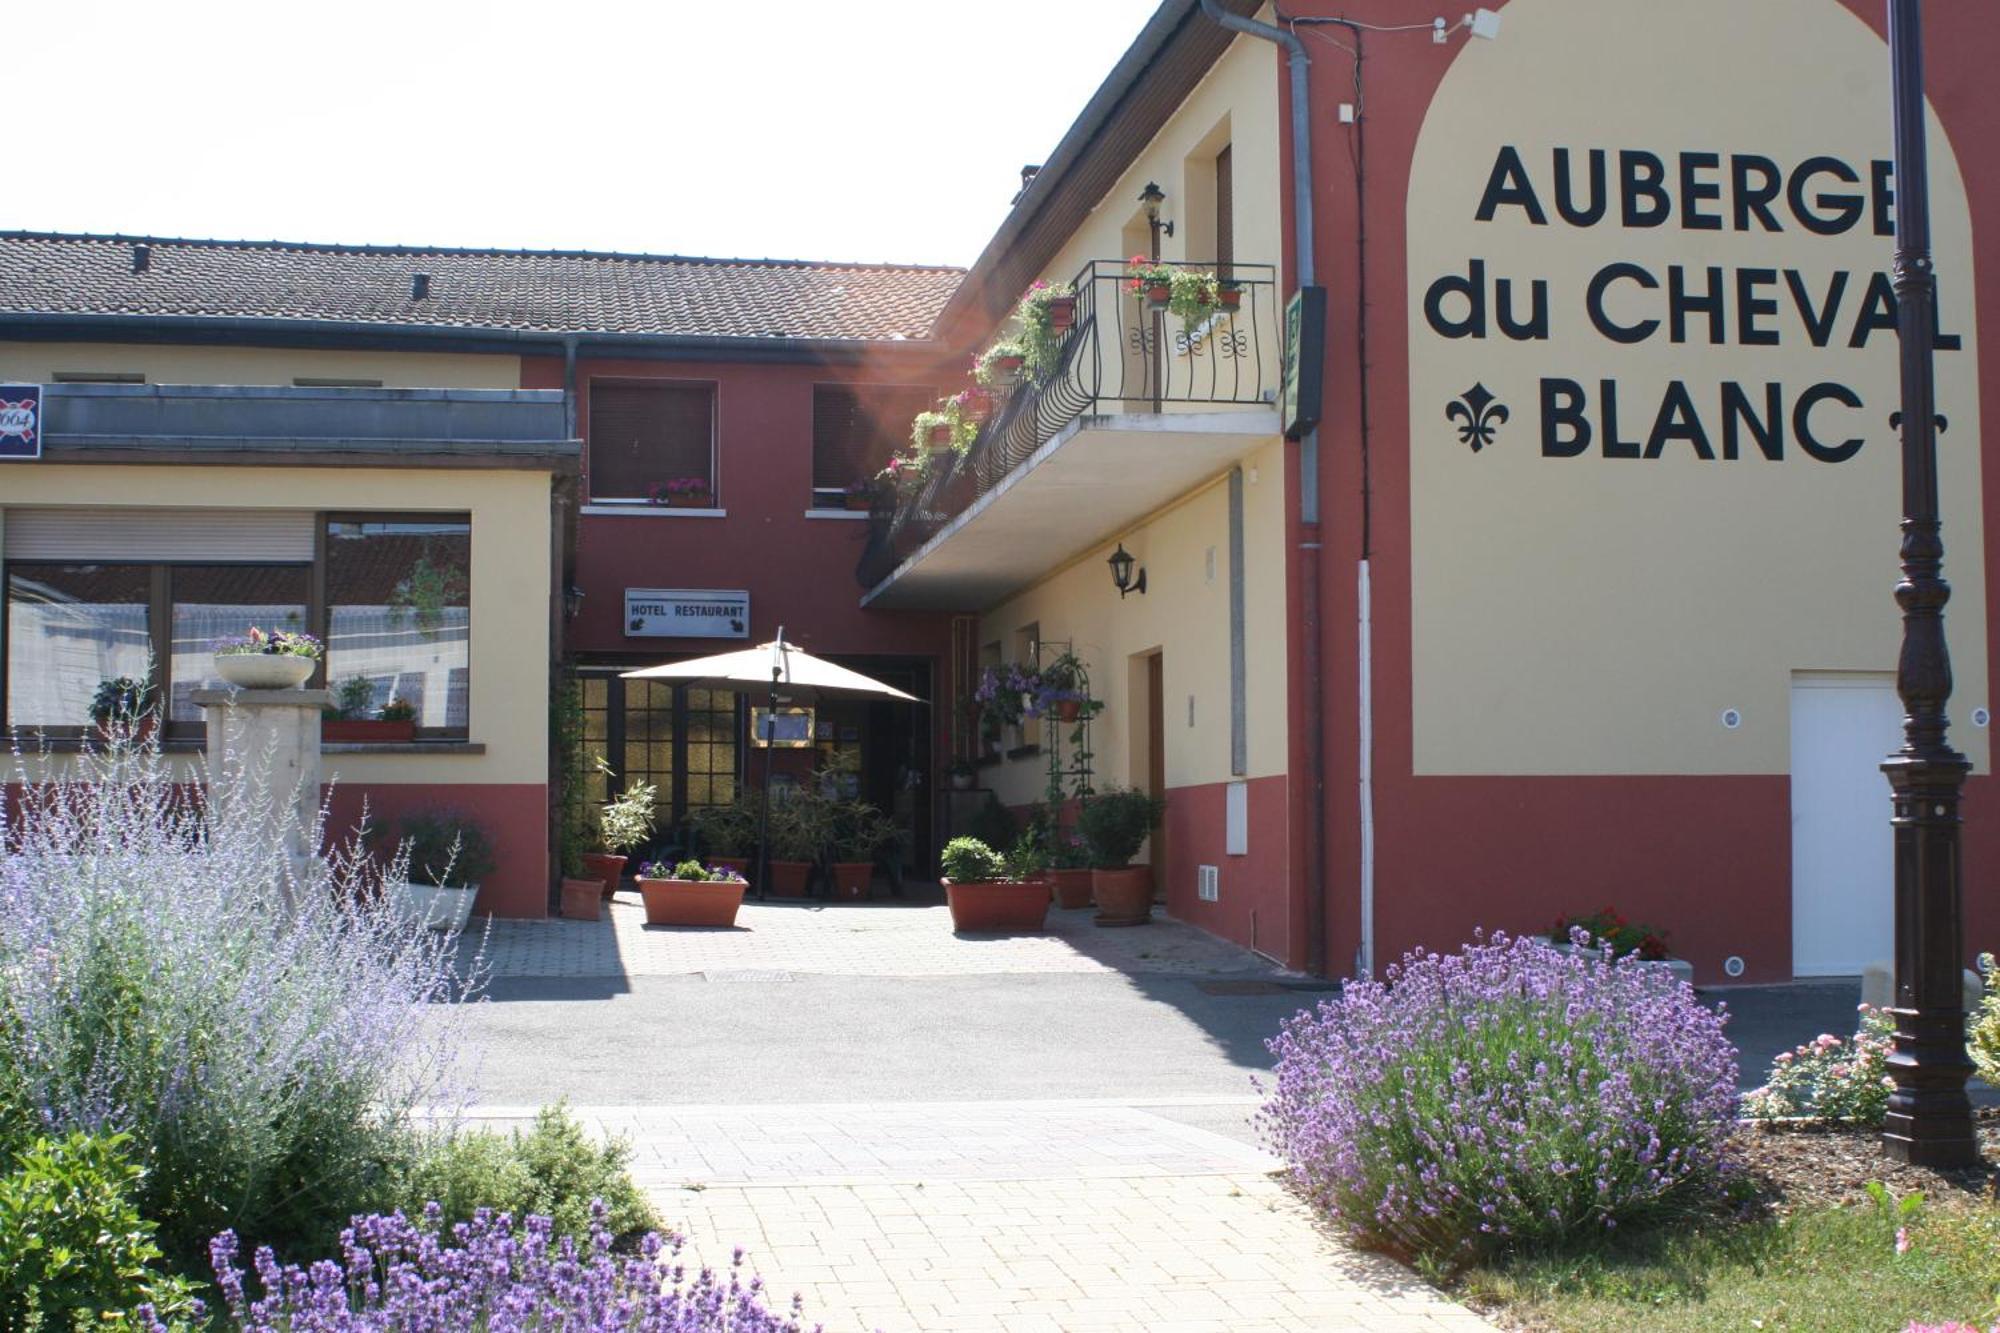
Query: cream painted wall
(510, 580)
(1593, 614)
(1184, 614)
(39, 362)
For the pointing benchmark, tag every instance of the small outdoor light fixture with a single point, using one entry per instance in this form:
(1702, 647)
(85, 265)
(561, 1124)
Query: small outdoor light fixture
(1152, 198)
(1121, 563)
(572, 601)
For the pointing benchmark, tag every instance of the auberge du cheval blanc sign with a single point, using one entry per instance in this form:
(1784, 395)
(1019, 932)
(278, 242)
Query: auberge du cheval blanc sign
(687, 613)
(20, 421)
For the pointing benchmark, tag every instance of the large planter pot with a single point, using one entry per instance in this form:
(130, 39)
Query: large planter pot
(1072, 888)
(352, 730)
(264, 671)
(445, 907)
(788, 878)
(997, 906)
(605, 868)
(852, 880)
(581, 899)
(686, 902)
(1124, 895)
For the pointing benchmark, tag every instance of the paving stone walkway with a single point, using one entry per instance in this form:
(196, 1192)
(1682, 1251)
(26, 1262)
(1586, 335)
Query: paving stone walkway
(1010, 1216)
(1103, 1213)
(858, 939)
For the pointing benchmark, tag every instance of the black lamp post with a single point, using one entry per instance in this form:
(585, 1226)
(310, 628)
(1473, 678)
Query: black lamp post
(1150, 199)
(1930, 1119)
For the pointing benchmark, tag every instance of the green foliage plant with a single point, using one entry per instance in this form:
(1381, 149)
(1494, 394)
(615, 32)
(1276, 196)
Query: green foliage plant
(626, 821)
(726, 830)
(970, 861)
(990, 368)
(1116, 821)
(993, 823)
(120, 701)
(354, 698)
(566, 722)
(445, 848)
(1831, 1078)
(74, 1250)
(555, 1169)
(1041, 342)
(1027, 858)
(1982, 1037)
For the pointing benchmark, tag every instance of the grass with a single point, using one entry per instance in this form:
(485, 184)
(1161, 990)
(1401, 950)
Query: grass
(1828, 1270)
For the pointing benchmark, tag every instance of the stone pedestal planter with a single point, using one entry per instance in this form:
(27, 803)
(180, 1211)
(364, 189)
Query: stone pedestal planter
(272, 736)
(264, 671)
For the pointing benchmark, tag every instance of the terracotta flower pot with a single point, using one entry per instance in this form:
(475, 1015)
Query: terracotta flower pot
(697, 500)
(788, 878)
(1072, 888)
(1062, 312)
(1124, 895)
(605, 868)
(339, 730)
(264, 671)
(997, 906)
(685, 902)
(1158, 295)
(852, 880)
(580, 899)
(1009, 366)
(1069, 710)
(940, 438)
(978, 407)
(1231, 297)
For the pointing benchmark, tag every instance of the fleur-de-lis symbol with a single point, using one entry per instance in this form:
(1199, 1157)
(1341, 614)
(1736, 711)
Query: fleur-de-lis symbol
(1479, 414)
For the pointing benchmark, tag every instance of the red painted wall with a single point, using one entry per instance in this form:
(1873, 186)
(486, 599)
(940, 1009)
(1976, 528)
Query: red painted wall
(1253, 906)
(516, 815)
(1709, 856)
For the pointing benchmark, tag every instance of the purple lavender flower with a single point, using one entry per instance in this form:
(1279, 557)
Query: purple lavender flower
(1503, 1095)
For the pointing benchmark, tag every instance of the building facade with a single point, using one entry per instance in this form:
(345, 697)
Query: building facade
(1574, 591)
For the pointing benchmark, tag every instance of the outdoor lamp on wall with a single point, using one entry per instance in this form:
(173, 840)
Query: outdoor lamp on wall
(1121, 563)
(572, 601)
(1152, 198)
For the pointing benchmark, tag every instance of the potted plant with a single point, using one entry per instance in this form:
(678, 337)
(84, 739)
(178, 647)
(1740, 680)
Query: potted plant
(980, 895)
(1151, 279)
(690, 894)
(279, 660)
(623, 823)
(1000, 364)
(1113, 824)
(1607, 928)
(1059, 689)
(726, 834)
(1229, 292)
(1028, 860)
(974, 404)
(1047, 311)
(943, 429)
(448, 856)
(797, 832)
(349, 719)
(580, 895)
(682, 493)
(1069, 869)
(859, 834)
(1006, 694)
(122, 711)
(962, 774)
(860, 495)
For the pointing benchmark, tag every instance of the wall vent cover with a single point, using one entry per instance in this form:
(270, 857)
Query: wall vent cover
(1207, 883)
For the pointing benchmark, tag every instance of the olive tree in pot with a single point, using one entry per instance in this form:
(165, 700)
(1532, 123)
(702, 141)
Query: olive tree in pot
(982, 897)
(725, 835)
(623, 824)
(448, 856)
(1113, 823)
(798, 830)
(860, 833)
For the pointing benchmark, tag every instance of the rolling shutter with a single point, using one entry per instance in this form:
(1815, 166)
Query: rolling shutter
(110, 534)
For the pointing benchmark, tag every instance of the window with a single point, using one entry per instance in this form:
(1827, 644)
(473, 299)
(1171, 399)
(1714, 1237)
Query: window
(1225, 213)
(398, 595)
(855, 429)
(99, 377)
(214, 601)
(389, 594)
(645, 435)
(70, 626)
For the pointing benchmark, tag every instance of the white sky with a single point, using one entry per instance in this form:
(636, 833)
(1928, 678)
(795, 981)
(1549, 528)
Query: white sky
(867, 130)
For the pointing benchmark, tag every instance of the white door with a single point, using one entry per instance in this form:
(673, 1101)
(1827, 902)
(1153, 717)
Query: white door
(1843, 876)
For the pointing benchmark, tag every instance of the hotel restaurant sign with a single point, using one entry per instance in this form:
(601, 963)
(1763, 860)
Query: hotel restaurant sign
(20, 421)
(686, 613)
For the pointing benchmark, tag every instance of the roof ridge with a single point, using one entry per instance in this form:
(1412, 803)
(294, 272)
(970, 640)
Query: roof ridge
(335, 247)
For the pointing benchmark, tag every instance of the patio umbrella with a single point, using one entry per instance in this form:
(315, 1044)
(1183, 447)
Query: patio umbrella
(786, 674)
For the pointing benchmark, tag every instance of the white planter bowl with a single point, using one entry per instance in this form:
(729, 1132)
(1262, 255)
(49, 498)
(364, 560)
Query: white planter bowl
(264, 671)
(434, 907)
(1680, 967)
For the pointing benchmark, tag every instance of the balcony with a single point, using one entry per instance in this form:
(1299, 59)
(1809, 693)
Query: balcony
(1140, 406)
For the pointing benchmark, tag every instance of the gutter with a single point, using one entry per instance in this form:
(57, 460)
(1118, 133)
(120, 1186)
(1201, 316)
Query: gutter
(1314, 833)
(251, 330)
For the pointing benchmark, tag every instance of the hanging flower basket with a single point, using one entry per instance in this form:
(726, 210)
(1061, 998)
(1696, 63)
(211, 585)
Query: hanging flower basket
(939, 439)
(1062, 312)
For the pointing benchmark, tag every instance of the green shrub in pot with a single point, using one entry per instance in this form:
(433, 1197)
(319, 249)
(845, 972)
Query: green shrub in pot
(725, 830)
(446, 848)
(970, 861)
(1116, 821)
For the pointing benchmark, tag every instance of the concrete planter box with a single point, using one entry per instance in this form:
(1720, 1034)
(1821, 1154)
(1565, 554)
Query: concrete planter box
(1680, 967)
(445, 907)
(264, 671)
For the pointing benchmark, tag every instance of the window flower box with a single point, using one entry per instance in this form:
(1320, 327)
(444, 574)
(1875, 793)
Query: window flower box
(342, 730)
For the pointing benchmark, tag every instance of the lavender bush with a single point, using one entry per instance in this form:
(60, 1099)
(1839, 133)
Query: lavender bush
(394, 1274)
(256, 1023)
(1505, 1096)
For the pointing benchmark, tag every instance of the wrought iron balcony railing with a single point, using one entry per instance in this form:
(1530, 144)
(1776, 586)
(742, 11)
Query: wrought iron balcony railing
(1122, 354)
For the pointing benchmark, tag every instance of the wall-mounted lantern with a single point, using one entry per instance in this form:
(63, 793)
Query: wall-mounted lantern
(1121, 563)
